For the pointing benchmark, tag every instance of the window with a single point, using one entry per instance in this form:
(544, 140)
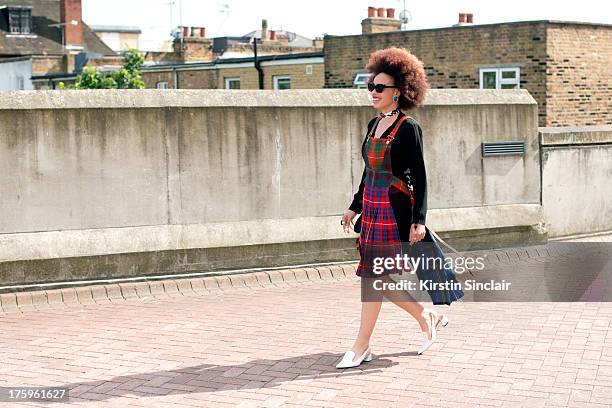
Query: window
(161, 85)
(282, 82)
(20, 82)
(499, 78)
(308, 70)
(232, 83)
(361, 80)
(20, 20)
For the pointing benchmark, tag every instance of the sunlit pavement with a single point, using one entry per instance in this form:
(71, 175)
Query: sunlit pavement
(273, 340)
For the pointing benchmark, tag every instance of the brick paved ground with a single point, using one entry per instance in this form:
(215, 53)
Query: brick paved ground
(275, 341)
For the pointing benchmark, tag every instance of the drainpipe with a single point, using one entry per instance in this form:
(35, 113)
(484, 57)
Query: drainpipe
(257, 64)
(176, 78)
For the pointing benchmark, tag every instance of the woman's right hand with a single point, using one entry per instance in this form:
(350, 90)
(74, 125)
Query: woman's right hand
(347, 220)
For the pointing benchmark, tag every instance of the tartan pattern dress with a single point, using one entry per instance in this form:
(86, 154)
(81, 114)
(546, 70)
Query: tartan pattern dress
(379, 235)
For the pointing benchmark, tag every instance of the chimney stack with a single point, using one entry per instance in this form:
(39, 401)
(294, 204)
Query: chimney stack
(379, 22)
(70, 12)
(264, 29)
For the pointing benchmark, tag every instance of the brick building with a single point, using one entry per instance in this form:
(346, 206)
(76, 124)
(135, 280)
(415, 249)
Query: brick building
(282, 71)
(39, 37)
(286, 60)
(566, 66)
(191, 44)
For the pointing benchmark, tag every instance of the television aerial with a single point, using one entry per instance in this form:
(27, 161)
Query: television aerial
(405, 17)
(223, 9)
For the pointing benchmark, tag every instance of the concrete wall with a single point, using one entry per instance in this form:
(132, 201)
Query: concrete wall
(577, 179)
(133, 182)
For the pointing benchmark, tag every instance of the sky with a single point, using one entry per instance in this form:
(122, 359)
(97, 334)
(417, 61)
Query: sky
(314, 18)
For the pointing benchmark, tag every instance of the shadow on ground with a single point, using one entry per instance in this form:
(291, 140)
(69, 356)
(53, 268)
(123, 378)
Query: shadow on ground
(255, 374)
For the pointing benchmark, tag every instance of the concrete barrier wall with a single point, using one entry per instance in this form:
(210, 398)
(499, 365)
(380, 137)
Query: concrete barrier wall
(577, 179)
(107, 172)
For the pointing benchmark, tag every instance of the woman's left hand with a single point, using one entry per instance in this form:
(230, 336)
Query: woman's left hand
(417, 233)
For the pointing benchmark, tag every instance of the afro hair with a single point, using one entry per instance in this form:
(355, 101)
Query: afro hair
(407, 72)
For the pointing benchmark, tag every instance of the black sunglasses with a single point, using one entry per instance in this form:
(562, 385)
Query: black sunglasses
(379, 87)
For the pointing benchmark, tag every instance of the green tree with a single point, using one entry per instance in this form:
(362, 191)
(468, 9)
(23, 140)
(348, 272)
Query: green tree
(128, 77)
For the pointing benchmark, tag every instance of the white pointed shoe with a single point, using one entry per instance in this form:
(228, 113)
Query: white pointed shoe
(443, 321)
(433, 323)
(347, 359)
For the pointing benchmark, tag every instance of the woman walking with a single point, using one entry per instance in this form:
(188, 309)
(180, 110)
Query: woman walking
(392, 214)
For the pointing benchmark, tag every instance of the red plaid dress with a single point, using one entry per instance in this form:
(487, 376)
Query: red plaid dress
(379, 235)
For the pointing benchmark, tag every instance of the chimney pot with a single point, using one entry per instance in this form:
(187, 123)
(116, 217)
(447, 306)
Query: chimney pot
(462, 17)
(272, 34)
(390, 13)
(185, 31)
(203, 32)
(371, 12)
(193, 31)
(381, 12)
(470, 18)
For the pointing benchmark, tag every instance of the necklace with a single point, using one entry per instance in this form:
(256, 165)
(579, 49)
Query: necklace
(390, 113)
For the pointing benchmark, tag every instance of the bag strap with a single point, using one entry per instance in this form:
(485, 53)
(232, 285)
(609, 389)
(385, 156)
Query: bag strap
(445, 243)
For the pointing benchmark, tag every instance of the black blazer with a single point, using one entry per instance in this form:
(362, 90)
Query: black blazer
(408, 164)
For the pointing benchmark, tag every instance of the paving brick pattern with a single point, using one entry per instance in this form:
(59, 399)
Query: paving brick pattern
(271, 339)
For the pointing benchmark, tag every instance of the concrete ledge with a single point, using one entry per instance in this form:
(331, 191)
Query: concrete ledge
(77, 256)
(219, 261)
(575, 135)
(187, 98)
(214, 261)
(107, 241)
(215, 285)
(485, 217)
(104, 241)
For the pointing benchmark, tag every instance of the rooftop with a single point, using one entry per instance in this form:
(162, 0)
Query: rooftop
(43, 40)
(115, 29)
